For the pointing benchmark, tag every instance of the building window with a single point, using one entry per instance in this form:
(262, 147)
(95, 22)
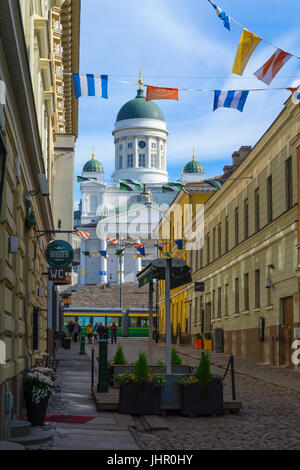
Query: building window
(219, 302)
(121, 147)
(130, 145)
(257, 288)
(2, 169)
(256, 209)
(226, 300)
(142, 160)
(214, 244)
(237, 295)
(226, 234)
(236, 224)
(120, 161)
(219, 240)
(289, 183)
(207, 249)
(154, 160)
(153, 145)
(130, 160)
(201, 258)
(246, 219)
(269, 200)
(213, 304)
(246, 290)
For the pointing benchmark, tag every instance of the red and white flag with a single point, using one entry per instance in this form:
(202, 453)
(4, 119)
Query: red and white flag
(84, 235)
(137, 245)
(268, 71)
(114, 241)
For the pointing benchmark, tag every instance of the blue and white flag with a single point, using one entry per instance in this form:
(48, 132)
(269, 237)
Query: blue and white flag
(230, 99)
(222, 15)
(90, 85)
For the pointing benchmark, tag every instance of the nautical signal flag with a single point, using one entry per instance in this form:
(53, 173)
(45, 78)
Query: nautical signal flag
(159, 93)
(81, 179)
(141, 251)
(103, 253)
(84, 235)
(222, 15)
(235, 99)
(171, 187)
(179, 244)
(247, 45)
(114, 241)
(268, 71)
(90, 85)
(214, 183)
(129, 185)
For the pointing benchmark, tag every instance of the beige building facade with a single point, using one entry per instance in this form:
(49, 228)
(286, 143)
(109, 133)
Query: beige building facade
(248, 261)
(30, 127)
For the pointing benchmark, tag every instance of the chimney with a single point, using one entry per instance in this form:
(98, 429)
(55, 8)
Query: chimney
(240, 155)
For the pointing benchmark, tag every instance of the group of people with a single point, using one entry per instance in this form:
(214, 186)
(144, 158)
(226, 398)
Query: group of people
(94, 333)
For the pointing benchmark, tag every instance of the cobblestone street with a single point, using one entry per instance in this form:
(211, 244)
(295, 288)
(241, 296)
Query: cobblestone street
(269, 418)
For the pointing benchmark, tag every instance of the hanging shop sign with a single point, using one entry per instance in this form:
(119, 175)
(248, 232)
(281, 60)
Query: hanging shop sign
(59, 254)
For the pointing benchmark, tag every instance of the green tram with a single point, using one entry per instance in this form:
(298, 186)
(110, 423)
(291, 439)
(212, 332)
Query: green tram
(138, 319)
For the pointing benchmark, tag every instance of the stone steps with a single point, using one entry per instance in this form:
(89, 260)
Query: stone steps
(20, 429)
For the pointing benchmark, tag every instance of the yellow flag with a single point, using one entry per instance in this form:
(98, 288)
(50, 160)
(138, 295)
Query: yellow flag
(247, 44)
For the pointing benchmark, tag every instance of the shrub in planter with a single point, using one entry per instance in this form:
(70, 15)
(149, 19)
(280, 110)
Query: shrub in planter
(140, 392)
(38, 387)
(175, 359)
(66, 343)
(119, 357)
(202, 393)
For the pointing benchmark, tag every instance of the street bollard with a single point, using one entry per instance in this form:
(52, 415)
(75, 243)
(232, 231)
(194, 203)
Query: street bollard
(102, 385)
(82, 345)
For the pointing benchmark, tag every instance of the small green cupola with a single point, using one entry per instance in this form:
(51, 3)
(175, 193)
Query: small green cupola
(194, 167)
(93, 166)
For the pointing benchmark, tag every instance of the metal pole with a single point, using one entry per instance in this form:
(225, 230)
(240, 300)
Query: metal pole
(93, 359)
(168, 314)
(150, 344)
(120, 257)
(232, 378)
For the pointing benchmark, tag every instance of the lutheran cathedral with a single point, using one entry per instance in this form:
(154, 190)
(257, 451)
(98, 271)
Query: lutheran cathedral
(140, 138)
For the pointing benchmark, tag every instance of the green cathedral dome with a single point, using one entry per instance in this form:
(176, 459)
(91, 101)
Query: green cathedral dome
(194, 167)
(140, 108)
(93, 166)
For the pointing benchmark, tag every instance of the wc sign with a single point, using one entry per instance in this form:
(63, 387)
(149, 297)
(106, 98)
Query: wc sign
(2, 352)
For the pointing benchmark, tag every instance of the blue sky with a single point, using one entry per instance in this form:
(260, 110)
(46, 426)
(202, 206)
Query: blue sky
(183, 44)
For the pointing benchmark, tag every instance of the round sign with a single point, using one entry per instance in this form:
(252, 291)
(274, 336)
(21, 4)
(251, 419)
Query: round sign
(59, 254)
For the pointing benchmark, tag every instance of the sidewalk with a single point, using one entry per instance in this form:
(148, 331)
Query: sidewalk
(106, 431)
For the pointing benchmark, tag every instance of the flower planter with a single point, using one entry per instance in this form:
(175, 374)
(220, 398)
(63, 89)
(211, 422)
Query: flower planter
(140, 399)
(161, 370)
(206, 400)
(198, 343)
(36, 413)
(208, 345)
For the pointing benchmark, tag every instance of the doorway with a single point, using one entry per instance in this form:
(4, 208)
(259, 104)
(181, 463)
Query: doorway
(286, 331)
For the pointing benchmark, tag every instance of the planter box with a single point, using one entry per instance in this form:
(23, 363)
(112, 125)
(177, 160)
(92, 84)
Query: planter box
(199, 401)
(136, 400)
(160, 370)
(198, 343)
(208, 345)
(36, 413)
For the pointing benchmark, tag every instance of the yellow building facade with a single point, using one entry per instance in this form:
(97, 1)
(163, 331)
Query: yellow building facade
(249, 261)
(176, 225)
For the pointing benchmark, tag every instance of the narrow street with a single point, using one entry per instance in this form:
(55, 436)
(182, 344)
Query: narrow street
(269, 418)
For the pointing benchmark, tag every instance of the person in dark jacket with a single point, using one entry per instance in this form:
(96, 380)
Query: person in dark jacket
(100, 332)
(105, 333)
(113, 333)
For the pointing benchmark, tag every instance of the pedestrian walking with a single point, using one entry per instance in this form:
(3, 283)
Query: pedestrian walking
(113, 333)
(76, 332)
(89, 332)
(105, 333)
(95, 332)
(100, 332)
